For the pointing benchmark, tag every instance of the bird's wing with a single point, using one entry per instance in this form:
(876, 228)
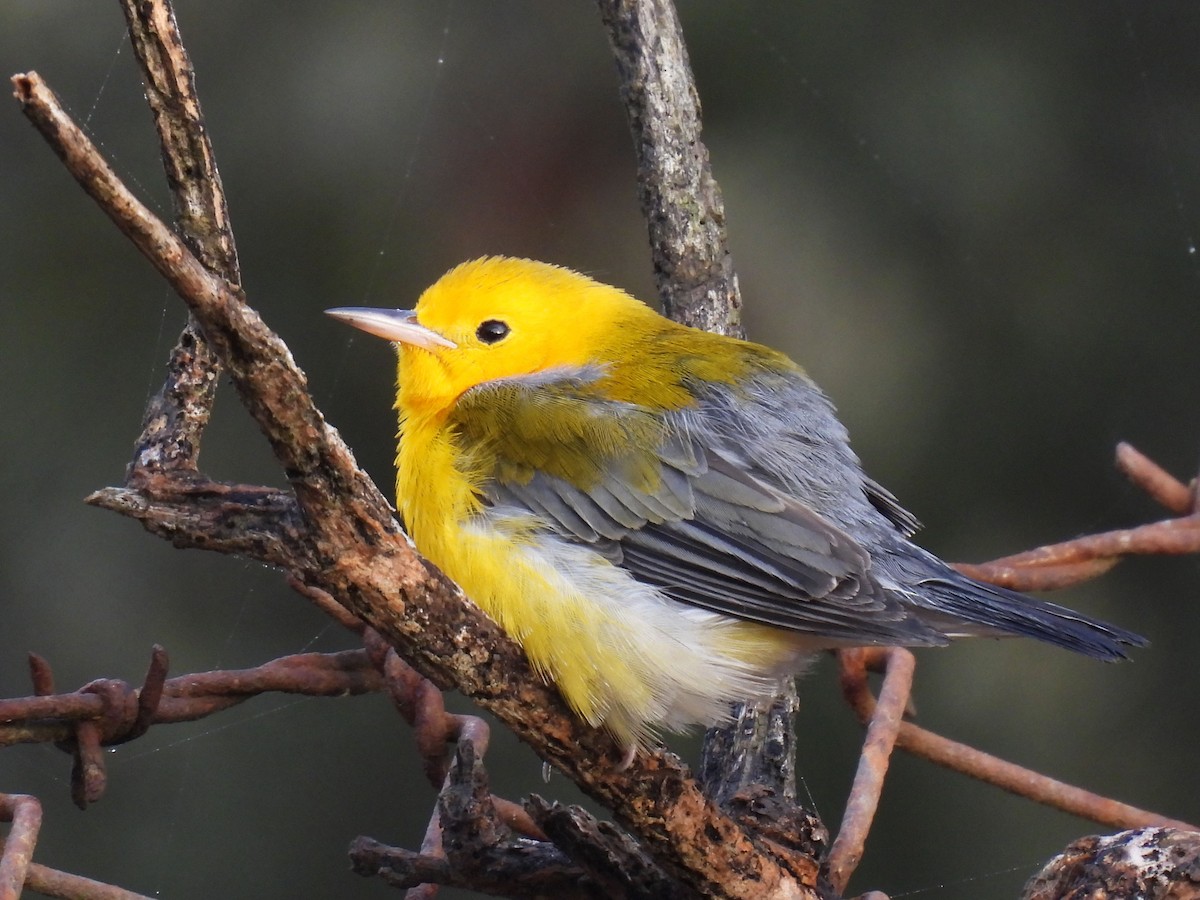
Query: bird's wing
(885, 502)
(679, 502)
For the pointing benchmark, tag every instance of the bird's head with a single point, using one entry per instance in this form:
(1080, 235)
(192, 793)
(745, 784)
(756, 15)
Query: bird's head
(496, 318)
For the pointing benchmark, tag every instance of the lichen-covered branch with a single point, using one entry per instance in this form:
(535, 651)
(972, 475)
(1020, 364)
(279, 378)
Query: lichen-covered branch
(685, 214)
(681, 201)
(178, 413)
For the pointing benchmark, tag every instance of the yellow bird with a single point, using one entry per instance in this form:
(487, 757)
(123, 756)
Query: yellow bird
(668, 521)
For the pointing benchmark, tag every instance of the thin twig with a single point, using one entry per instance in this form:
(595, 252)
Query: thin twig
(177, 415)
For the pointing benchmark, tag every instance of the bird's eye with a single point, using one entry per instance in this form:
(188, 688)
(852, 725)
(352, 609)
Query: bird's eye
(491, 331)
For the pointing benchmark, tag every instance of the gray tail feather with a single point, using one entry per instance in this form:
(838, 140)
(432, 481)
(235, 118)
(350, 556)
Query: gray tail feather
(998, 611)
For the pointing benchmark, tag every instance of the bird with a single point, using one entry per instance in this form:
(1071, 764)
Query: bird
(668, 521)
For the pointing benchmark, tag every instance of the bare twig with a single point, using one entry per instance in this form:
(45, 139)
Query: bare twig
(202, 214)
(511, 870)
(756, 748)
(617, 866)
(177, 415)
(470, 845)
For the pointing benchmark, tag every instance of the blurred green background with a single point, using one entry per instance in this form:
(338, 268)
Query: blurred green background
(974, 223)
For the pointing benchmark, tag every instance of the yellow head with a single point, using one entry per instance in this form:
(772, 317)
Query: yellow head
(499, 317)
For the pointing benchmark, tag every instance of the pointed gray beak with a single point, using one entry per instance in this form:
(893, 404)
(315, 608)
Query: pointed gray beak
(397, 325)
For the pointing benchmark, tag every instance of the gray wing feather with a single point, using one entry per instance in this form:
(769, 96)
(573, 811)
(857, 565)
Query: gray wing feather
(719, 531)
(757, 512)
(885, 501)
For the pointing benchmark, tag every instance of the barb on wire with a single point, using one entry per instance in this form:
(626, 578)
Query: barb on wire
(109, 711)
(1163, 487)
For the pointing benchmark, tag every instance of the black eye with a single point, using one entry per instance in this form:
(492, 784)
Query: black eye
(491, 331)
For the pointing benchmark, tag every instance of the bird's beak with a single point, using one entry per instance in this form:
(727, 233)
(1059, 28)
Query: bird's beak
(397, 325)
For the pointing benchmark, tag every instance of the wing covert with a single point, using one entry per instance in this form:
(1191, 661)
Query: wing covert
(665, 496)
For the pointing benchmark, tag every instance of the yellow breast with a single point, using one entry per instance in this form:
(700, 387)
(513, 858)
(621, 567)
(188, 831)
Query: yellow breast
(623, 655)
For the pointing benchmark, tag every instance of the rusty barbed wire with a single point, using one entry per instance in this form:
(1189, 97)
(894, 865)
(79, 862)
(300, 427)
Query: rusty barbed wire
(496, 841)
(882, 728)
(887, 731)
(422, 705)
(1066, 563)
(25, 814)
(105, 712)
(435, 729)
(854, 666)
(1044, 568)
(110, 711)
(18, 871)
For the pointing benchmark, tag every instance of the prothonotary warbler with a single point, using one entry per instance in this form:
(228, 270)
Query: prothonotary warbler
(666, 520)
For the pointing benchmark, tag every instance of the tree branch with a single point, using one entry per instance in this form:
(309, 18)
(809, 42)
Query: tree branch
(354, 549)
(681, 201)
(177, 415)
(696, 281)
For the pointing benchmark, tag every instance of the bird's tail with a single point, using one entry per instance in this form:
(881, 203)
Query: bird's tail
(998, 611)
